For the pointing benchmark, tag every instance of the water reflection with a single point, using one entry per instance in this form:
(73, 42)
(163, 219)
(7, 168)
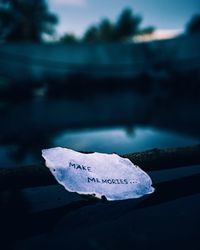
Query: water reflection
(121, 140)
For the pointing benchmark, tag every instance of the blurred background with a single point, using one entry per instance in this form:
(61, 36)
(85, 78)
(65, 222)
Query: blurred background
(108, 76)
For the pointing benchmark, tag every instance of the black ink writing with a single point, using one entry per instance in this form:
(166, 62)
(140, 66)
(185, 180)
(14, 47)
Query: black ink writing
(94, 180)
(115, 181)
(108, 181)
(80, 167)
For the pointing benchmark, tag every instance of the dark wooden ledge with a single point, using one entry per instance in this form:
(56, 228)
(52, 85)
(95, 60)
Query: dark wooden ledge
(156, 159)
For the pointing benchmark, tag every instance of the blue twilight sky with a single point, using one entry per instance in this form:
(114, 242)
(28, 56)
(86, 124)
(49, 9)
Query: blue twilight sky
(76, 15)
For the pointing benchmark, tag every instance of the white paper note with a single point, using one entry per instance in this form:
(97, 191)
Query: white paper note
(97, 174)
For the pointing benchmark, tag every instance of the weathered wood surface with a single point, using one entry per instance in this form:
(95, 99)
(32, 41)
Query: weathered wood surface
(155, 159)
(158, 159)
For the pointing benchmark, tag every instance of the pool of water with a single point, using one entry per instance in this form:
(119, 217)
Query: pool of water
(120, 140)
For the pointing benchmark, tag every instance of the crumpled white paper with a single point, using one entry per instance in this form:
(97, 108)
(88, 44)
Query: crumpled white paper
(97, 174)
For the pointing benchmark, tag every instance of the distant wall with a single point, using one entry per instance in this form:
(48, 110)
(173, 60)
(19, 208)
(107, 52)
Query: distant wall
(22, 61)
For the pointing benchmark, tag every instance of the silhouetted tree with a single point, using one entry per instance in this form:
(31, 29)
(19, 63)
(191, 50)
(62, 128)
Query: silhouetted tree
(68, 38)
(25, 20)
(91, 34)
(127, 25)
(194, 24)
(147, 31)
(106, 30)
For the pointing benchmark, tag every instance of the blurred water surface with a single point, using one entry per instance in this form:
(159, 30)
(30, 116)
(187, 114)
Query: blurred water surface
(113, 122)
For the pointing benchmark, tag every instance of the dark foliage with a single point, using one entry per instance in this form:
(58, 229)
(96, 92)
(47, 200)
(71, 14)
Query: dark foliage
(25, 20)
(194, 24)
(123, 30)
